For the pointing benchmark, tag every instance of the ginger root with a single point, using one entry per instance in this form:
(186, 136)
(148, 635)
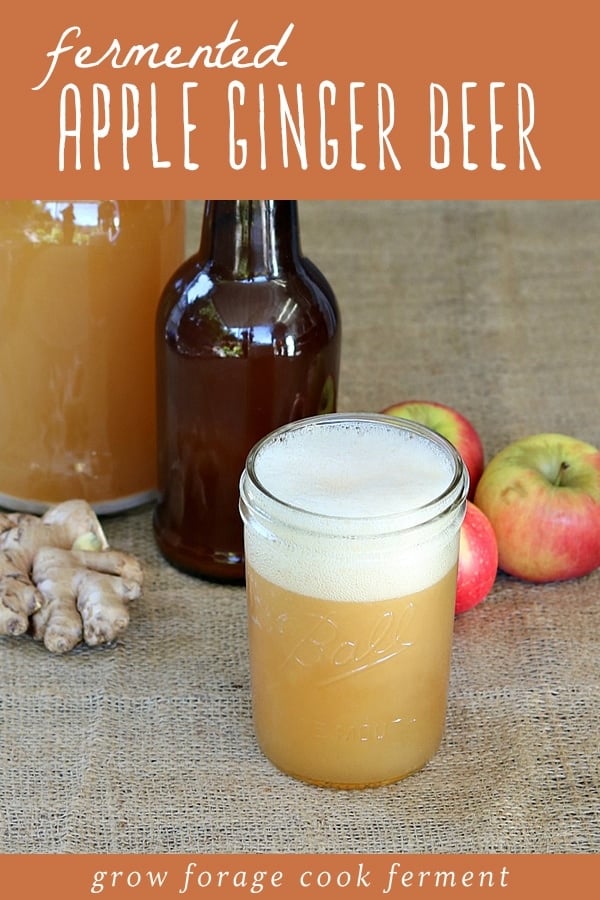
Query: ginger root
(59, 576)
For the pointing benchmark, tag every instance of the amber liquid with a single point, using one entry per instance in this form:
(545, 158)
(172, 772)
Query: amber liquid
(349, 694)
(237, 357)
(78, 298)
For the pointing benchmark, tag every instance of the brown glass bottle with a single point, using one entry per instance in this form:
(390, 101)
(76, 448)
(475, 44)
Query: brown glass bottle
(248, 338)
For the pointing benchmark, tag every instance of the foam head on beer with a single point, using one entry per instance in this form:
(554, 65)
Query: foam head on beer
(353, 507)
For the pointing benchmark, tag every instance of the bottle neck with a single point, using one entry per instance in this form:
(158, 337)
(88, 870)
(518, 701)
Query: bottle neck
(249, 238)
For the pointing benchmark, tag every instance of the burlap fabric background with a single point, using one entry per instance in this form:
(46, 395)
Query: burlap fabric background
(148, 747)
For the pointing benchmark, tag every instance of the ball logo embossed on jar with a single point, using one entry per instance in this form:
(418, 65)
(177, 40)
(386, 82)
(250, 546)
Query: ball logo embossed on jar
(319, 640)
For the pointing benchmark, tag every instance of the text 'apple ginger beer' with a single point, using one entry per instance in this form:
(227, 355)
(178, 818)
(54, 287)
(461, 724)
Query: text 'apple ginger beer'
(80, 282)
(248, 339)
(351, 584)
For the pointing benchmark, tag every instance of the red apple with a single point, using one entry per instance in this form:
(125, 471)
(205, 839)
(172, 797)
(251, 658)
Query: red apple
(477, 559)
(542, 496)
(452, 425)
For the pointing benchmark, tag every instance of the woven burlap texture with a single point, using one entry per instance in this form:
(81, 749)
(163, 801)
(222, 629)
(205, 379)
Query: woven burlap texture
(148, 746)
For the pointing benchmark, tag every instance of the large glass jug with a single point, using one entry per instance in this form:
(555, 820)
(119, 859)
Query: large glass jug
(79, 287)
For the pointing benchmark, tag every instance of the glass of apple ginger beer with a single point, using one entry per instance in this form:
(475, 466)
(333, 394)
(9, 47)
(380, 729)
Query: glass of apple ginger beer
(351, 525)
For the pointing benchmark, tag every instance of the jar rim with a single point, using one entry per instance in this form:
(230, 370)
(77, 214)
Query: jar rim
(255, 496)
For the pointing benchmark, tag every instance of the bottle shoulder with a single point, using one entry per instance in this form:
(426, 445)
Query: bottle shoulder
(201, 308)
(299, 293)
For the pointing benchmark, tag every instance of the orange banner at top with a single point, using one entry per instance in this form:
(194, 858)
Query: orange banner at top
(374, 100)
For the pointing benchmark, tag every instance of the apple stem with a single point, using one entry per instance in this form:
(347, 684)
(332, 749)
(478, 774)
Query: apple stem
(561, 470)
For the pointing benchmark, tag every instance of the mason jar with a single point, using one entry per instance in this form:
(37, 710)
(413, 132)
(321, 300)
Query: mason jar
(351, 525)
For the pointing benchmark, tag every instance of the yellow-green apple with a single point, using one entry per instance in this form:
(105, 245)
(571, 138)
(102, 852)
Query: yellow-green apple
(452, 425)
(542, 496)
(477, 559)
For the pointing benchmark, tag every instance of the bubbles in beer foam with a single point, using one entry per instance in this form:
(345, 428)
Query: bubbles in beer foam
(349, 570)
(335, 505)
(358, 470)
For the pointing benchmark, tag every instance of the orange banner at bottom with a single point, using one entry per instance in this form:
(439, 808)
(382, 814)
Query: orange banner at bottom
(227, 876)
